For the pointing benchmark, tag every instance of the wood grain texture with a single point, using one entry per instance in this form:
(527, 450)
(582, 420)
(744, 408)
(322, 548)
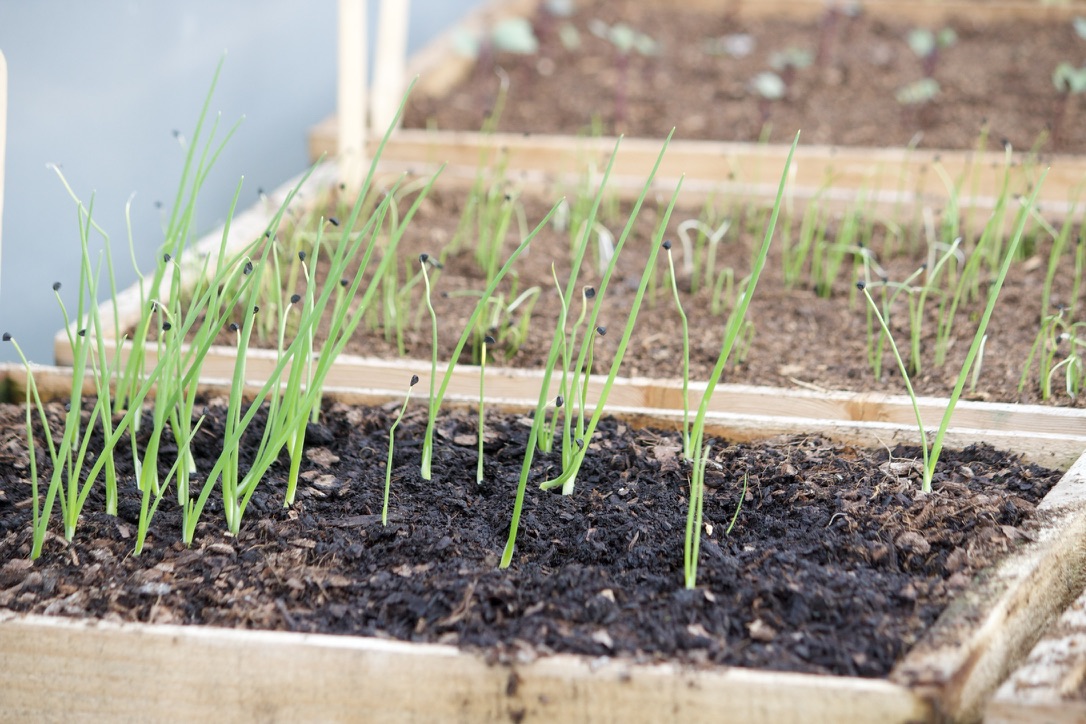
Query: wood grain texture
(1048, 687)
(56, 669)
(3, 137)
(888, 180)
(950, 674)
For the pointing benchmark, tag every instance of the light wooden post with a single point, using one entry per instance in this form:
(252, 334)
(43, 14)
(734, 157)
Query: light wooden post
(389, 64)
(3, 141)
(351, 92)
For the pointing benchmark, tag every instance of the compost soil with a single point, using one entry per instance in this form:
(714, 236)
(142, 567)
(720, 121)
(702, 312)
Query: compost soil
(837, 562)
(997, 76)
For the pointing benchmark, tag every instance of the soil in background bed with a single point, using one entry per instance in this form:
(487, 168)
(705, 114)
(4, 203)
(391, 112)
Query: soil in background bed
(802, 339)
(837, 563)
(999, 75)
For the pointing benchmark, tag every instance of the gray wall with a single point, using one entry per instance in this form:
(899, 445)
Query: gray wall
(99, 87)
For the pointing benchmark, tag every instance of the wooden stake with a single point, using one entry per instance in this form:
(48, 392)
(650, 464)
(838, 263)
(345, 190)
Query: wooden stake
(351, 92)
(391, 59)
(3, 140)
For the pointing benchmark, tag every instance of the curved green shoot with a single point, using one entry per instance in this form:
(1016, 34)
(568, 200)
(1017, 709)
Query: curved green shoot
(391, 442)
(435, 400)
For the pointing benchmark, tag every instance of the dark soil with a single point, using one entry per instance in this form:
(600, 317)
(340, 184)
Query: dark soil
(837, 563)
(997, 77)
(803, 336)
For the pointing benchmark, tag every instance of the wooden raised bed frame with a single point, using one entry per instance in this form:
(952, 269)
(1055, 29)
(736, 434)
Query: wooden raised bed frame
(783, 411)
(889, 179)
(54, 668)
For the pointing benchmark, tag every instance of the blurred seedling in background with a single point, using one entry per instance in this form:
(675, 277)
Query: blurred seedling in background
(626, 41)
(928, 45)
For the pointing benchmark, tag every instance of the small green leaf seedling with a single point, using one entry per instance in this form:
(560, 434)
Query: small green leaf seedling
(927, 46)
(626, 41)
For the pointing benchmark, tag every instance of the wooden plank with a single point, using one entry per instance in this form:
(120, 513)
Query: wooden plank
(351, 94)
(954, 670)
(387, 377)
(950, 674)
(58, 669)
(887, 179)
(1051, 685)
(1055, 441)
(389, 63)
(665, 396)
(3, 140)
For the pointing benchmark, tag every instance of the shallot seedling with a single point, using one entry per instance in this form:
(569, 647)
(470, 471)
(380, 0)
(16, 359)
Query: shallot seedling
(391, 442)
(687, 449)
(487, 340)
(932, 452)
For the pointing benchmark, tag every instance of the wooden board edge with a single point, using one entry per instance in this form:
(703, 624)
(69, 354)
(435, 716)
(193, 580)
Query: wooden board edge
(337, 678)
(957, 679)
(984, 634)
(1049, 449)
(1048, 685)
(886, 180)
(665, 394)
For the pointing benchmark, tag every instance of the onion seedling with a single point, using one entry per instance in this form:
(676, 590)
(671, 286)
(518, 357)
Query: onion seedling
(1057, 332)
(556, 344)
(392, 441)
(424, 259)
(569, 475)
(735, 327)
(487, 340)
(687, 449)
(435, 399)
(932, 452)
(708, 236)
(692, 539)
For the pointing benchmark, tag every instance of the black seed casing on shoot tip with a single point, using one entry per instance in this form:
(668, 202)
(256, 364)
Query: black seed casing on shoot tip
(301, 256)
(166, 327)
(295, 298)
(333, 221)
(667, 244)
(56, 286)
(233, 327)
(414, 380)
(248, 267)
(590, 293)
(7, 336)
(559, 401)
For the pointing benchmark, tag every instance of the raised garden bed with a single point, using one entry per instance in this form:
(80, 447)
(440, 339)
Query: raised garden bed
(994, 617)
(792, 321)
(718, 108)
